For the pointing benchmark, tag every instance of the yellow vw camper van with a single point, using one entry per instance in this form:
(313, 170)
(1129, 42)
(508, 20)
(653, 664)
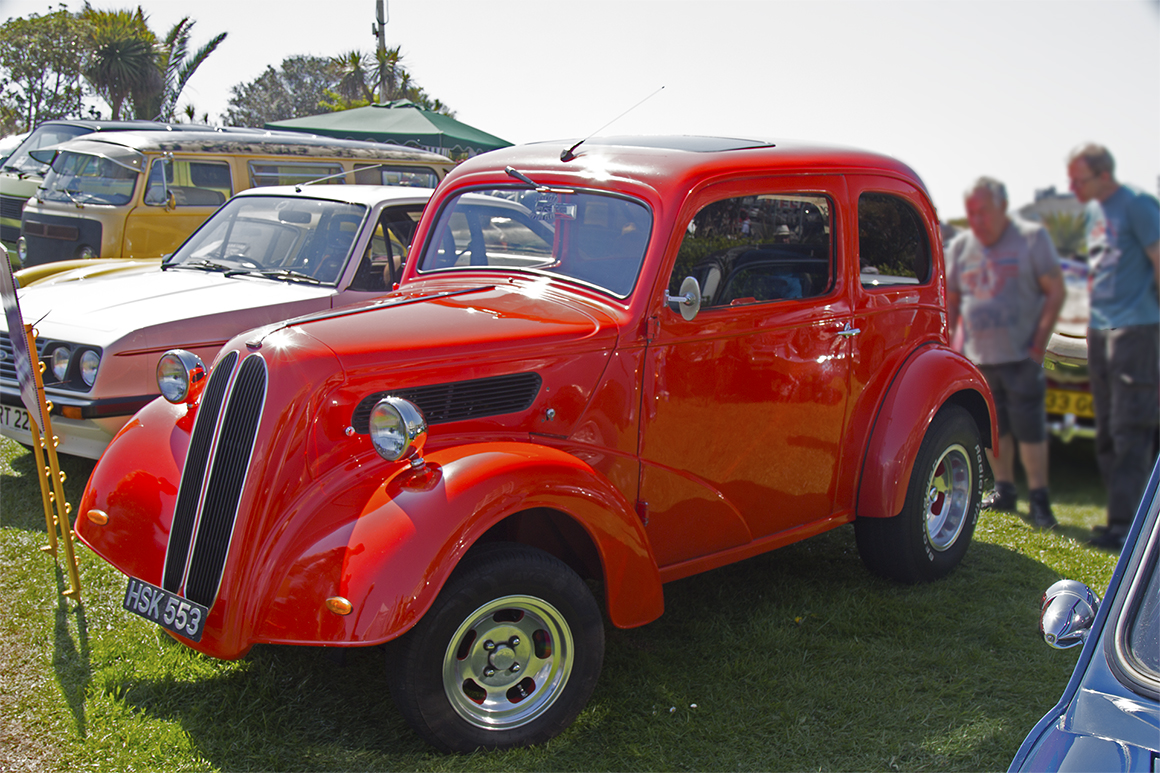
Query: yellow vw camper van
(139, 194)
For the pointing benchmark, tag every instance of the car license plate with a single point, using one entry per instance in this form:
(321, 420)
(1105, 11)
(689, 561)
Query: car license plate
(1061, 401)
(168, 610)
(12, 417)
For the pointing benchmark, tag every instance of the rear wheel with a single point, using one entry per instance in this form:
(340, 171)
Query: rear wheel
(507, 656)
(930, 536)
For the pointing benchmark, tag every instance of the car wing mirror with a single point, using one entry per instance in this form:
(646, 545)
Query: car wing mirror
(1066, 613)
(689, 301)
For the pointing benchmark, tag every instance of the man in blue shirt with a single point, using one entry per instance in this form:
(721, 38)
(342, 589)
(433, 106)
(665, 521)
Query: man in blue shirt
(1123, 237)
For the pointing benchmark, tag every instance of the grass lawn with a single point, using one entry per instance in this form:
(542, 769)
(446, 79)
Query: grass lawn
(795, 660)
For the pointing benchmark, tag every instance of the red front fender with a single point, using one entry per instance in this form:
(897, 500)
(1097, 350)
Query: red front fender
(392, 559)
(931, 378)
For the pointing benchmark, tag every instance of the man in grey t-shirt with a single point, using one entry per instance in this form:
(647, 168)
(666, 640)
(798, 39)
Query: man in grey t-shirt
(1004, 282)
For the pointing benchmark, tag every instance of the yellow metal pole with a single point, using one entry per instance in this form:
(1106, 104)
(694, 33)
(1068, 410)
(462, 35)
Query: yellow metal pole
(45, 491)
(56, 508)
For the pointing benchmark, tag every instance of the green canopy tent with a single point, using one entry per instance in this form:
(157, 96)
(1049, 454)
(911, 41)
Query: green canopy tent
(401, 122)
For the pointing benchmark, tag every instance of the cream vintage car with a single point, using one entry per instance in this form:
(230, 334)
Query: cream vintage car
(268, 254)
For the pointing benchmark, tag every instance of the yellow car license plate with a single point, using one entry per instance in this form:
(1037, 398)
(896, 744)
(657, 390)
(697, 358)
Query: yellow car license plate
(1061, 401)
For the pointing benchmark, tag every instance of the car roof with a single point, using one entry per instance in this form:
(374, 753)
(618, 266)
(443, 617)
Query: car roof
(253, 141)
(668, 162)
(368, 195)
(131, 125)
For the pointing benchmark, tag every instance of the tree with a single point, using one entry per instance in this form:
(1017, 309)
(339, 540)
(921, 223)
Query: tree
(40, 77)
(308, 85)
(354, 82)
(177, 67)
(296, 88)
(123, 60)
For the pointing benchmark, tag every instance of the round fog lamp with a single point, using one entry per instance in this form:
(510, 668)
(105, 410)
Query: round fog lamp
(86, 252)
(22, 250)
(90, 360)
(60, 358)
(397, 428)
(178, 374)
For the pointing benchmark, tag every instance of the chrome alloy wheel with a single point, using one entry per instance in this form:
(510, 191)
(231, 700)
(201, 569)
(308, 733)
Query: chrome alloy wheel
(508, 662)
(948, 497)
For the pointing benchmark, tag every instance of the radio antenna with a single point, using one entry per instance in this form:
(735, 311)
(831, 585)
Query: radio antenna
(568, 155)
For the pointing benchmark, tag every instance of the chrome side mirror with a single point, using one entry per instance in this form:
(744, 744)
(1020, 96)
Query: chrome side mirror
(689, 300)
(1066, 613)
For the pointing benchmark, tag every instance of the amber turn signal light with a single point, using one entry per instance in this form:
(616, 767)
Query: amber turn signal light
(339, 606)
(99, 517)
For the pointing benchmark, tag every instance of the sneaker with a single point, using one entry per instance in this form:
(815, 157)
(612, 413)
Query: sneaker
(1041, 514)
(1001, 499)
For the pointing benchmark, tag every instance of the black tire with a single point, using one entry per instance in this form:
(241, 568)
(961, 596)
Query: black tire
(507, 656)
(931, 535)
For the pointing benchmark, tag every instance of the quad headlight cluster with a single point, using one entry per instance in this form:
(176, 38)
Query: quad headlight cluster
(72, 365)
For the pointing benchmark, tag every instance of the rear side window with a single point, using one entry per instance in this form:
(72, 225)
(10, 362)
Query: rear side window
(756, 249)
(294, 173)
(893, 248)
(393, 174)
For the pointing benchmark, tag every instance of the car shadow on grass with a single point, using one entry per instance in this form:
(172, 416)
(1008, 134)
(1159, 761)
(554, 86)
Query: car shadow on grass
(794, 641)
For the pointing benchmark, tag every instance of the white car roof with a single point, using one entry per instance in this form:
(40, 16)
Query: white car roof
(368, 195)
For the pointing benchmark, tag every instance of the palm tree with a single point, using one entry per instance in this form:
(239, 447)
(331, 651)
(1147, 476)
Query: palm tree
(177, 68)
(123, 60)
(353, 82)
(388, 69)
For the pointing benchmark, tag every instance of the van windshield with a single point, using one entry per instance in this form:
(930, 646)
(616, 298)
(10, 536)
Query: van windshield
(594, 238)
(82, 178)
(42, 137)
(284, 238)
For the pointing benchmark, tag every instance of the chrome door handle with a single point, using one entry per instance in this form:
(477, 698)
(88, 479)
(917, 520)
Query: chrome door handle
(848, 331)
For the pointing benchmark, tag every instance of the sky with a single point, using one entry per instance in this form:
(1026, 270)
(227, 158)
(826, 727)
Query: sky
(955, 88)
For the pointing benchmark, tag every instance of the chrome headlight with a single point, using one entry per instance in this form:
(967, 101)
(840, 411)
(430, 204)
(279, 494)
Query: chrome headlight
(60, 359)
(180, 375)
(398, 429)
(90, 361)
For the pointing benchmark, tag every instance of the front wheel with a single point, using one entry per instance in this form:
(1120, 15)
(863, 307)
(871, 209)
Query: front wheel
(508, 655)
(930, 536)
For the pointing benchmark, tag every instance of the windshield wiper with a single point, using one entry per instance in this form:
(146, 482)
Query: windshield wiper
(71, 198)
(199, 265)
(277, 273)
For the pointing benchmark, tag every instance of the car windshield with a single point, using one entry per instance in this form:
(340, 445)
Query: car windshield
(594, 238)
(306, 240)
(42, 137)
(82, 178)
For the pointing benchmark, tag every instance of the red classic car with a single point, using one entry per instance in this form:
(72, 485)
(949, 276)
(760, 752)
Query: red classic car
(605, 367)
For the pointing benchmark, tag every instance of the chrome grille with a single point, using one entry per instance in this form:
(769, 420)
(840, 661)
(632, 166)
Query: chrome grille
(192, 477)
(459, 400)
(216, 471)
(228, 473)
(11, 207)
(7, 358)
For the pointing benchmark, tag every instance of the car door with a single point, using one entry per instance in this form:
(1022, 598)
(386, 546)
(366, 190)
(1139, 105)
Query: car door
(745, 403)
(180, 194)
